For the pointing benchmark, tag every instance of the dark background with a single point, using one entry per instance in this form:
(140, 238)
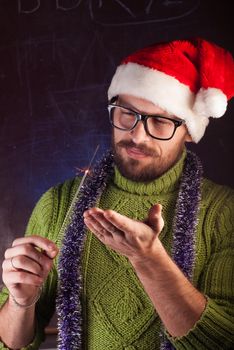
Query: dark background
(56, 62)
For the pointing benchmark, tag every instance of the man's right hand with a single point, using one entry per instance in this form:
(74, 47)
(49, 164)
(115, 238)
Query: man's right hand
(26, 266)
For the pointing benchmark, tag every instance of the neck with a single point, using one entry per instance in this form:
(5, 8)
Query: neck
(168, 182)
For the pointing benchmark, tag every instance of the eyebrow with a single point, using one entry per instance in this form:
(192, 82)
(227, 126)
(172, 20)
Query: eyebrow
(129, 105)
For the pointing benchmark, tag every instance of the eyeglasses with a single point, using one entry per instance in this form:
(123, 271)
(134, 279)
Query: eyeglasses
(158, 127)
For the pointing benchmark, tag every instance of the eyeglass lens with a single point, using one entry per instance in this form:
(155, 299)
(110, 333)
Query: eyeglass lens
(156, 126)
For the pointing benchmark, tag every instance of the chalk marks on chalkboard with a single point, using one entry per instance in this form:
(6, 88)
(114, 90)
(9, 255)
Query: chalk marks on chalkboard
(120, 12)
(67, 5)
(28, 82)
(130, 12)
(27, 7)
(23, 63)
(24, 7)
(41, 64)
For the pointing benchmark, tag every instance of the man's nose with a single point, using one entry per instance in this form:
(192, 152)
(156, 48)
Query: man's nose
(139, 134)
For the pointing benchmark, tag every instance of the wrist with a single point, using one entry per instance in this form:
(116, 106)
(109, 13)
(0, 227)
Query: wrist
(151, 256)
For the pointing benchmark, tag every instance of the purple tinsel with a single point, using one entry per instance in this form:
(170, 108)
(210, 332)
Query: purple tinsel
(69, 304)
(185, 222)
(186, 217)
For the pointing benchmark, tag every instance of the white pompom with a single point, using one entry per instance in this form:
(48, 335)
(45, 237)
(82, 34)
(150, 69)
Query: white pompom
(210, 102)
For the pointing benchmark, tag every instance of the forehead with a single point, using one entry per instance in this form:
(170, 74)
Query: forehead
(141, 105)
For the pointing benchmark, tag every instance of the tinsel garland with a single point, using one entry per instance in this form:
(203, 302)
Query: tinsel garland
(185, 222)
(69, 303)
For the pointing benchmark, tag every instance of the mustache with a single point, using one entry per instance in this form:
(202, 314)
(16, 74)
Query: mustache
(141, 147)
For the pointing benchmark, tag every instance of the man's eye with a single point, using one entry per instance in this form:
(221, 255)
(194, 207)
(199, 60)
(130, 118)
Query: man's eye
(160, 121)
(129, 113)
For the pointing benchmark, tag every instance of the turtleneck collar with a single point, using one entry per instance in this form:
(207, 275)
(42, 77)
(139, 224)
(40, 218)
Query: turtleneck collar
(168, 182)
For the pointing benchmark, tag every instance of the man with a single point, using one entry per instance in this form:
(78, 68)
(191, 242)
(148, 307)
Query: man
(154, 270)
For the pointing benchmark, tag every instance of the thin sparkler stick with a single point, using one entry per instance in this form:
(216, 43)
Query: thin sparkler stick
(77, 191)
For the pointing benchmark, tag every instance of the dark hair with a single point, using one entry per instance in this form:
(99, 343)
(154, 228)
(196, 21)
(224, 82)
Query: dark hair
(113, 99)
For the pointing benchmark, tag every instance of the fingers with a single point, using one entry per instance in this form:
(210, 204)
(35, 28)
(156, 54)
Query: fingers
(156, 210)
(21, 262)
(26, 249)
(28, 262)
(18, 280)
(106, 223)
(99, 225)
(111, 220)
(12, 264)
(126, 236)
(27, 254)
(21, 277)
(93, 222)
(155, 219)
(43, 243)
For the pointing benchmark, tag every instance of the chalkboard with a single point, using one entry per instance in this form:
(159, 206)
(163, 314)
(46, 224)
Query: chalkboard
(57, 58)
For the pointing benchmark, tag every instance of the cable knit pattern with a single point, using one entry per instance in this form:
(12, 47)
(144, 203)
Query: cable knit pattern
(118, 313)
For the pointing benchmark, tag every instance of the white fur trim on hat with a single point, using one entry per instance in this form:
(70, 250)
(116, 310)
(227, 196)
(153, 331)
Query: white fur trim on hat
(161, 89)
(210, 102)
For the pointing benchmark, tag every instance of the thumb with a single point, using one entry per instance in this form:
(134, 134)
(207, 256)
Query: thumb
(155, 220)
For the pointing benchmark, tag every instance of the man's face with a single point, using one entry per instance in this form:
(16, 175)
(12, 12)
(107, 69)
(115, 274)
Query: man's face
(138, 156)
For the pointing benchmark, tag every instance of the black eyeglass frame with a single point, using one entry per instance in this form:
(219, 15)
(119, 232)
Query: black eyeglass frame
(143, 118)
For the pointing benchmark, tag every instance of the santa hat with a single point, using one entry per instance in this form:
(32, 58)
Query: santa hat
(190, 79)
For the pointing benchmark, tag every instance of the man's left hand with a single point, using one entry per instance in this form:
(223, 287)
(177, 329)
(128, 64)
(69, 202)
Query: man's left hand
(132, 238)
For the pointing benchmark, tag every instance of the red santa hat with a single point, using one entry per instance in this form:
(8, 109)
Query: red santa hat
(190, 79)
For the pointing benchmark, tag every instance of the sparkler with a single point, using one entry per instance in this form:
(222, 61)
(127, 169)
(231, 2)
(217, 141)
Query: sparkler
(86, 172)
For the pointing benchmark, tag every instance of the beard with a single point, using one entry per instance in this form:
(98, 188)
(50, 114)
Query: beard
(133, 169)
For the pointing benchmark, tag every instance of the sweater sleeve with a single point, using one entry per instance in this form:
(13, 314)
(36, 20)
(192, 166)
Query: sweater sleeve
(46, 220)
(39, 224)
(215, 329)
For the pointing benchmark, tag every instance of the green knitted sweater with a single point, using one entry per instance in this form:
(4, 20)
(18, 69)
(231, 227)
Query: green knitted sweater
(117, 312)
